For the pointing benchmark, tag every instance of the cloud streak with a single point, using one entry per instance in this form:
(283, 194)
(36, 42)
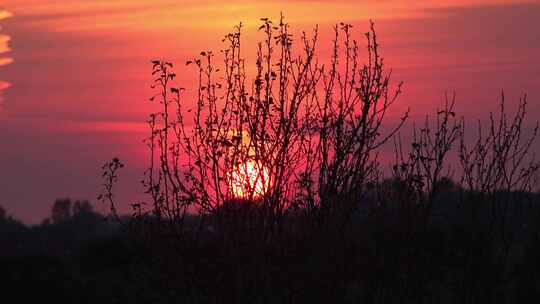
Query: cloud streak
(4, 49)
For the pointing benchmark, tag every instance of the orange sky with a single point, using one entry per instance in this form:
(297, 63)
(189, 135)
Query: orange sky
(74, 74)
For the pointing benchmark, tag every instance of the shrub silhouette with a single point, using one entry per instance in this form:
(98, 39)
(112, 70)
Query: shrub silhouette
(327, 225)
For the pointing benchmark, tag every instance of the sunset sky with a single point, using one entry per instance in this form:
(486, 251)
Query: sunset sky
(74, 75)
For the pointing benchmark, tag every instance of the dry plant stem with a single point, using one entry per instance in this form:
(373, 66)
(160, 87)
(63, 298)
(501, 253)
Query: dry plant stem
(110, 177)
(351, 115)
(498, 169)
(423, 169)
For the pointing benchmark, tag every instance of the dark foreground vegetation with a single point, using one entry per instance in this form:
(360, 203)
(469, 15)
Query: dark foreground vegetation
(316, 216)
(382, 256)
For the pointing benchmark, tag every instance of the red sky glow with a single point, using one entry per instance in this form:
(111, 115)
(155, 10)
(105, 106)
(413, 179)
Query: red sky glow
(75, 75)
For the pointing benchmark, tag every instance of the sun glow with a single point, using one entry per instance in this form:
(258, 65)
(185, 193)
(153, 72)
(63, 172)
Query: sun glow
(249, 180)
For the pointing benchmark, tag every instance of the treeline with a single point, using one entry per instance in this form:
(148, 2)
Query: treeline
(70, 225)
(383, 255)
(53, 259)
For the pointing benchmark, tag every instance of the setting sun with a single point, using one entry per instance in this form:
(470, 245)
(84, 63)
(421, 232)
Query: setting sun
(249, 180)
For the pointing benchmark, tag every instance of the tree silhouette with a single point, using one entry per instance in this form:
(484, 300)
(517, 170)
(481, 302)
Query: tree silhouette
(61, 211)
